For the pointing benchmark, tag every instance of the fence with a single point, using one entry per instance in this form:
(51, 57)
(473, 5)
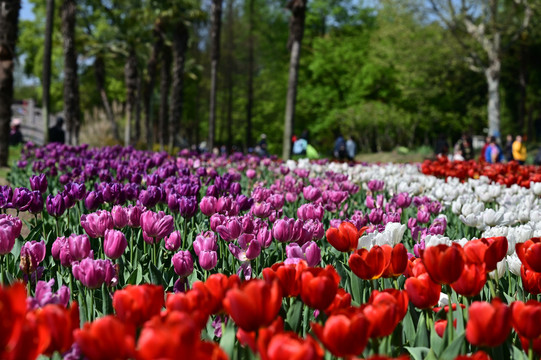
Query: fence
(32, 122)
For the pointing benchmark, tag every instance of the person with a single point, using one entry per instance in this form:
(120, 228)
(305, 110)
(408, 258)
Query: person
(442, 147)
(458, 154)
(482, 157)
(537, 160)
(466, 147)
(509, 148)
(262, 146)
(56, 133)
(519, 150)
(339, 150)
(351, 148)
(15, 134)
(493, 152)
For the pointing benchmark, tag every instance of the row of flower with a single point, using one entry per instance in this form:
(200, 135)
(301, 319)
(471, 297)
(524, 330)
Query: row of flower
(249, 255)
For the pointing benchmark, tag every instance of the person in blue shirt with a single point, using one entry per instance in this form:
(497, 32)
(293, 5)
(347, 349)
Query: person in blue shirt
(493, 152)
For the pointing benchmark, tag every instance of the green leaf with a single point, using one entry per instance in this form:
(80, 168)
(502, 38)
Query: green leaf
(418, 353)
(227, 342)
(294, 315)
(453, 349)
(156, 276)
(409, 328)
(132, 279)
(421, 340)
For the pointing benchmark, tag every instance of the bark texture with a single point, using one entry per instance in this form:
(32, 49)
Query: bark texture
(46, 75)
(180, 45)
(216, 24)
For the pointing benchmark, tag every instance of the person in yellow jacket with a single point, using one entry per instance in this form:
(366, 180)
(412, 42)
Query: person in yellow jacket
(519, 150)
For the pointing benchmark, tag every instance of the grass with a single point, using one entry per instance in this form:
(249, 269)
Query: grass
(14, 156)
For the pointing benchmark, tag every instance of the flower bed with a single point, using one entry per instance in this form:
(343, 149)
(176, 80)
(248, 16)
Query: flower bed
(141, 255)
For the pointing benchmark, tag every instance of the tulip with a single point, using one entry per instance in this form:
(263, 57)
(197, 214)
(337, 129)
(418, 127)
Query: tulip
(288, 345)
(93, 200)
(399, 260)
(261, 210)
(94, 273)
(230, 230)
(10, 229)
(173, 241)
(114, 243)
(531, 280)
(208, 205)
(345, 238)
(371, 264)
(135, 304)
(311, 193)
(249, 248)
(206, 241)
(309, 252)
(106, 335)
(55, 205)
(38, 183)
(156, 225)
(529, 253)
(526, 318)
(319, 287)
(134, 215)
(376, 216)
(208, 259)
(471, 281)
(444, 263)
(183, 263)
(44, 295)
(120, 216)
(96, 223)
(422, 291)
(423, 216)
(187, 206)
(36, 203)
(283, 230)
(343, 335)
(403, 200)
(489, 324)
(251, 173)
(150, 197)
(255, 304)
(375, 185)
(61, 323)
(385, 310)
(21, 199)
(32, 254)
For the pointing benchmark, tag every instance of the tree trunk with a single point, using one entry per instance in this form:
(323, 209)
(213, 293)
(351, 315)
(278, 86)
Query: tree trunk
(165, 86)
(46, 81)
(250, 100)
(492, 74)
(71, 82)
(180, 44)
(99, 74)
(523, 83)
(230, 70)
(9, 21)
(130, 79)
(296, 31)
(216, 18)
(151, 81)
(138, 112)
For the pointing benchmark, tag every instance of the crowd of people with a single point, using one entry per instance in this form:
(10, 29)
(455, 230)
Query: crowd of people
(491, 152)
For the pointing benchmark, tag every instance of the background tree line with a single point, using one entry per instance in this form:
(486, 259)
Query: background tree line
(394, 72)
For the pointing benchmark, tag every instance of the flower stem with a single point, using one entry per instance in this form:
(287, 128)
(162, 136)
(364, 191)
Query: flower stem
(450, 318)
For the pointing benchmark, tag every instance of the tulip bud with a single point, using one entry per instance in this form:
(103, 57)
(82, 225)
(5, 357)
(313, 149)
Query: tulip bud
(208, 205)
(208, 259)
(114, 243)
(120, 216)
(173, 241)
(183, 263)
(38, 183)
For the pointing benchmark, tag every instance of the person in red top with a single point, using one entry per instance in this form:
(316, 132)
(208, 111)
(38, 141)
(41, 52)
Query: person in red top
(484, 149)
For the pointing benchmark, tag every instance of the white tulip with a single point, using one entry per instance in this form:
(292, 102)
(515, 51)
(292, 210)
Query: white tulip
(514, 264)
(435, 240)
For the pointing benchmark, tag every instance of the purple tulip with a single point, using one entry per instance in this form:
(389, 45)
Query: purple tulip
(22, 199)
(208, 205)
(235, 188)
(423, 216)
(97, 222)
(264, 237)
(309, 252)
(276, 201)
(151, 196)
(391, 217)
(438, 226)
(93, 200)
(39, 183)
(249, 248)
(156, 225)
(187, 206)
(120, 216)
(45, 296)
(284, 230)
(32, 254)
(208, 259)
(55, 205)
(434, 207)
(244, 203)
(230, 230)
(403, 200)
(310, 212)
(173, 241)
(375, 185)
(183, 263)
(10, 229)
(369, 202)
(36, 204)
(251, 173)
(134, 215)
(114, 243)
(216, 220)
(376, 216)
(94, 273)
(261, 210)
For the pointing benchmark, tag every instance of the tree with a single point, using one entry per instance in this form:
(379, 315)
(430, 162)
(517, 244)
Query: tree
(9, 20)
(46, 80)
(296, 31)
(492, 25)
(71, 83)
(215, 28)
(152, 66)
(180, 45)
(250, 86)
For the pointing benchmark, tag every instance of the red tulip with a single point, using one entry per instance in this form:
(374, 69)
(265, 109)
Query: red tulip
(422, 291)
(497, 249)
(478, 355)
(525, 343)
(289, 277)
(319, 287)
(371, 264)
(342, 300)
(136, 304)
(440, 326)
(399, 260)
(106, 337)
(255, 304)
(529, 253)
(13, 305)
(444, 263)
(344, 335)
(531, 280)
(345, 238)
(526, 318)
(61, 323)
(471, 281)
(168, 336)
(217, 285)
(489, 324)
(288, 345)
(194, 302)
(34, 339)
(385, 310)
